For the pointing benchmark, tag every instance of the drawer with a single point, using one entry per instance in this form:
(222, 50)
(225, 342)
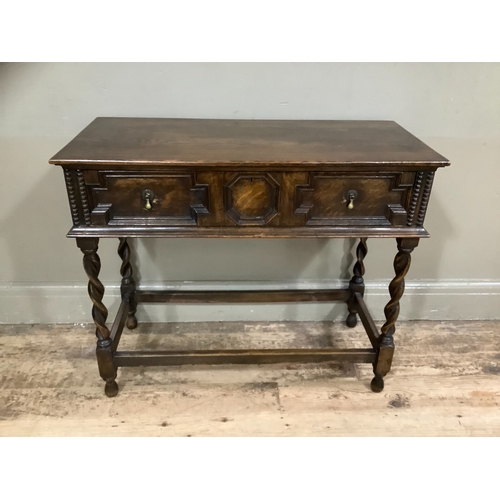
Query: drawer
(146, 198)
(253, 200)
(351, 199)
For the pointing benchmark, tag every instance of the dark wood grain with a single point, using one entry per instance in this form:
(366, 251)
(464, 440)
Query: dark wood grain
(242, 296)
(414, 198)
(189, 142)
(104, 348)
(186, 178)
(254, 356)
(425, 198)
(396, 289)
(119, 323)
(295, 204)
(325, 199)
(252, 198)
(357, 283)
(127, 288)
(367, 320)
(157, 231)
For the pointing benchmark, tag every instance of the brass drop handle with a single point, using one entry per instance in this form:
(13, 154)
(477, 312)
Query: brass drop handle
(351, 196)
(148, 196)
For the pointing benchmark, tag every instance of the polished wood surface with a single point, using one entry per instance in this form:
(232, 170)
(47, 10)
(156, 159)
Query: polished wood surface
(129, 177)
(243, 356)
(220, 203)
(243, 296)
(141, 142)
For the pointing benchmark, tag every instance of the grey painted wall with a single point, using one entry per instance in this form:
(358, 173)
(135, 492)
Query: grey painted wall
(453, 107)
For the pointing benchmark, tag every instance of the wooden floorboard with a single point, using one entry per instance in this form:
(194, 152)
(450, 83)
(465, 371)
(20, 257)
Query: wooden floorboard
(445, 382)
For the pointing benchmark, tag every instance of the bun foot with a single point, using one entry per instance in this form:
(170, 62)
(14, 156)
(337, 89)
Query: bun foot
(377, 384)
(352, 320)
(111, 389)
(131, 322)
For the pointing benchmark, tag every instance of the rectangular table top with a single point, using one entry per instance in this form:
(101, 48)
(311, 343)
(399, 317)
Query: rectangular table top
(191, 142)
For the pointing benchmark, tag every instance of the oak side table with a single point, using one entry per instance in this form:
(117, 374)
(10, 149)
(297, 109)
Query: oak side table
(185, 178)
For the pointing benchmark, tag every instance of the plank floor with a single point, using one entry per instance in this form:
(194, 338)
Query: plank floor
(445, 381)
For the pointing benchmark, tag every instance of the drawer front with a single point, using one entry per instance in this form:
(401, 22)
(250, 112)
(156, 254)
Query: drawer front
(259, 202)
(146, 199)
(354, 199)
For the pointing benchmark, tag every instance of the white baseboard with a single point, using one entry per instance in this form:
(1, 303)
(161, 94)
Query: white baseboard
(431, 300)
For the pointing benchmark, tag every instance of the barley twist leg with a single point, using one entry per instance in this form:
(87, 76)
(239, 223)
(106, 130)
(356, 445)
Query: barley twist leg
(385, 353)
(92, 266)
(357, 283)
(128, 283)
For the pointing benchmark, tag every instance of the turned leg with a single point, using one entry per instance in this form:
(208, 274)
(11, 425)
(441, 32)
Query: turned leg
(385, 353)
(357, 283)
(92, 266)
(128, 283)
